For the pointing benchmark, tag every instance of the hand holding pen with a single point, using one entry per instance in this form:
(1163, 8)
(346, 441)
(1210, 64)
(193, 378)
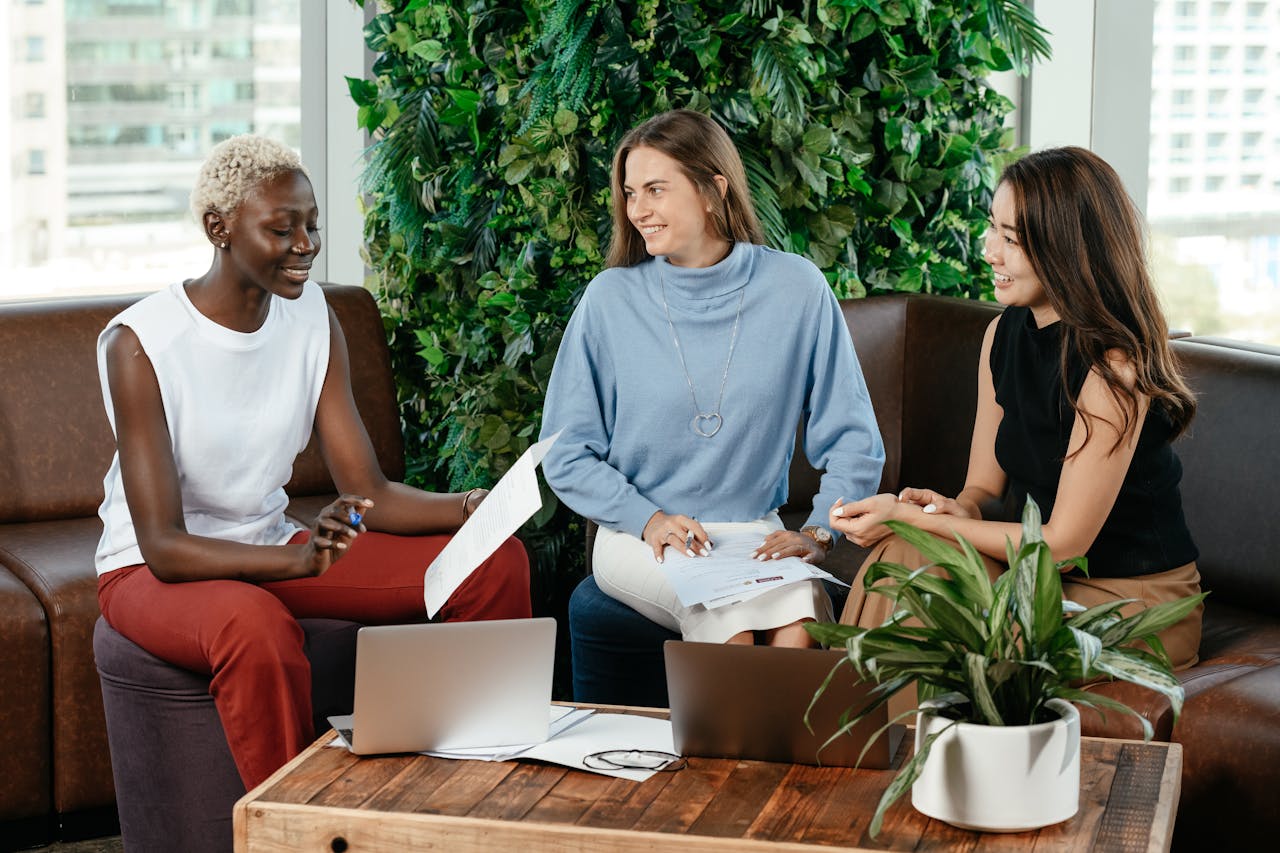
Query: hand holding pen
(665, 530)
(333, 531)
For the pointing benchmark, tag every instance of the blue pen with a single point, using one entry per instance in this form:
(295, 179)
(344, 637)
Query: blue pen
(354, 517)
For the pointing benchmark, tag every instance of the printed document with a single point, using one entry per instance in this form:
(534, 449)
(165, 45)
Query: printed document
(730, 574)
(510, 504)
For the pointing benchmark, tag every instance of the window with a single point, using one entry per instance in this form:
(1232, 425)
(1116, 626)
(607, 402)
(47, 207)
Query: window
(1180, 148)
(33, 105)
(1218, 103)
(1253, 105)
(144, 89)
(1214, 192)
(1183, 101)
(1219, 59)
(1255, 59)
(1251, 146)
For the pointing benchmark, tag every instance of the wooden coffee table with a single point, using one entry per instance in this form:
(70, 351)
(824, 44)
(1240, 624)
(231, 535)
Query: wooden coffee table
(329, 800)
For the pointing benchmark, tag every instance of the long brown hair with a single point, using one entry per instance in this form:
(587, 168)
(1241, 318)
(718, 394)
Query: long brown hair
(1084, 238)
(703, 149)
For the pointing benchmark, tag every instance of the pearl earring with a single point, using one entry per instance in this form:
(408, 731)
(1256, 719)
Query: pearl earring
(222, 245)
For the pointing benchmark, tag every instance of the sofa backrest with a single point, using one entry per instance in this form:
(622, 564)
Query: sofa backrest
(56, 443)
(919, 355)
(1231, 469)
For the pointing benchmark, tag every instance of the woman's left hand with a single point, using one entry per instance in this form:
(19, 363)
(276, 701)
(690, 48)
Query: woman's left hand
(863, 521)
(789, 543)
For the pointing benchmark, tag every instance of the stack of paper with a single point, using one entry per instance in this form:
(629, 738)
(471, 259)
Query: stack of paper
(730, 574)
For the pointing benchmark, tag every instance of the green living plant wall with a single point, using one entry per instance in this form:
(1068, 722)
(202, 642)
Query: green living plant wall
(871, 139)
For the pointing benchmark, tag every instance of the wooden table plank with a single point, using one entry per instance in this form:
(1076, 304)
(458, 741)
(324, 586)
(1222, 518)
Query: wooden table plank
(623, 802)
(363, 780)
(466, 788)
(795, 802)
(683, 799)
(412, 788)
(571, 797)
(520, 791)
(745, 794)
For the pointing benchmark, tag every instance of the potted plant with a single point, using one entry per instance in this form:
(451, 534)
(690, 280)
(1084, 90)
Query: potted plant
(996, 667)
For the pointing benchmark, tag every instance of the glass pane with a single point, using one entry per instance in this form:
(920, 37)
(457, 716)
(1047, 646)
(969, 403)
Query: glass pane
(1213, 196)
(113, 104)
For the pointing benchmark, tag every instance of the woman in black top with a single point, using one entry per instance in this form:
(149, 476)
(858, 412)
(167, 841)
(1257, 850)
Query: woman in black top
(1078, 400)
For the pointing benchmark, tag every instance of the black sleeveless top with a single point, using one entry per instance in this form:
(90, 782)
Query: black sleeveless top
(1145, 532)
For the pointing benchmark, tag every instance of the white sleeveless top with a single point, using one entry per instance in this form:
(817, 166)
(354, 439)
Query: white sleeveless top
(239, 408)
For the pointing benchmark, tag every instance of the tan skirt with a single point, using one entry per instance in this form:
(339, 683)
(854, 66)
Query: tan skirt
(1181, 641)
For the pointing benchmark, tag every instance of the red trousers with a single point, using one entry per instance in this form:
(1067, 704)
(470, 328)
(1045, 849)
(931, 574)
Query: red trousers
(245, 636)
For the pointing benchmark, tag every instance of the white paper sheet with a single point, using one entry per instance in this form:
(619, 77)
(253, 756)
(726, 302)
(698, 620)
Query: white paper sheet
(729, 574)
(562, 718)
(510, 504)
(602, 732)
(575, 734)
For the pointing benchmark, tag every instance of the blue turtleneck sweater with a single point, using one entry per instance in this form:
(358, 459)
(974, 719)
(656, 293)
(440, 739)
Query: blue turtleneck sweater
(620, 397)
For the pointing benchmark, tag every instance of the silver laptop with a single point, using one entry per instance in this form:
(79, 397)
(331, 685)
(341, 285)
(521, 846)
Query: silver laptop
(731, 701)
(453, 685)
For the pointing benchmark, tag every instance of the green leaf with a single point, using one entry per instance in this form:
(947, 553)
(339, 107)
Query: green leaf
(1136, 668)
(980, 690)
(1152, 620)
(429, 49)
(363, 92)
(565, 121)
(1048, 599)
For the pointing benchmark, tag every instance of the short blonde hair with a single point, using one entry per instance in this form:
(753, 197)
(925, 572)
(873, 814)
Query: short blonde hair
(234, 168)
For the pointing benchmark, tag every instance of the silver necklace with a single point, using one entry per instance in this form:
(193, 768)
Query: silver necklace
(705, 424)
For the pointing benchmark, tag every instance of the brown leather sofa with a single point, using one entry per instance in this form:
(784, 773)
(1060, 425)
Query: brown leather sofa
(919, 356)
(55, 446)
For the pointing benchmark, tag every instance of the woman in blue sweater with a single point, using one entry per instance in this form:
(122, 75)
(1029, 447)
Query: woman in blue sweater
(681, 379)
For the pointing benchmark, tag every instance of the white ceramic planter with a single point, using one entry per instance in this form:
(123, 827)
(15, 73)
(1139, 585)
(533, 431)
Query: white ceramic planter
(1001, 778)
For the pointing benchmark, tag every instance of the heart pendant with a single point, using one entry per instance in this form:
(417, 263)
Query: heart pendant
(707, 425)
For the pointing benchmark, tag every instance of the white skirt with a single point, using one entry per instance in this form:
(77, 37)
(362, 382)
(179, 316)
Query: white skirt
(625, 570)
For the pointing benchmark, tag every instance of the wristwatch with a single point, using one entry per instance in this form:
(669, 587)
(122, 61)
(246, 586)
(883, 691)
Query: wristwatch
(820, 535)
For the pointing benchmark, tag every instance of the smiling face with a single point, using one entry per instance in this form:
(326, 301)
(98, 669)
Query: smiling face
(273, 237)
(668, 211)
(1016, 282)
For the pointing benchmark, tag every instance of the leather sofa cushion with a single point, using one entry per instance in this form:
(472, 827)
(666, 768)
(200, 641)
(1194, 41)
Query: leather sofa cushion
(25, 760)
(1231, 749)
(55, 561)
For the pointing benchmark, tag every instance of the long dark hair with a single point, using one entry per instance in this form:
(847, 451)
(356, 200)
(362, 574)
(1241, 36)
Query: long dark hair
(703, 149)
(1084, 238)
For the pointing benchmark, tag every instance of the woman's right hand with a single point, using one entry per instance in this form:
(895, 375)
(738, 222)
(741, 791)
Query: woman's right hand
(332, 533)
(673, 531)
(932, 502)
